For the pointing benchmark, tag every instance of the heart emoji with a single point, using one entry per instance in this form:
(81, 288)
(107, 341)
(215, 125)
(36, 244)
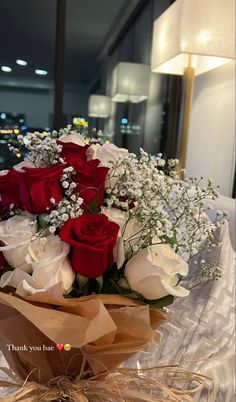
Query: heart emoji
(60, 346)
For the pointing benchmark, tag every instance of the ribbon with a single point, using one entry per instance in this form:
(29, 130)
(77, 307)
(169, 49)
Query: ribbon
(157, 384)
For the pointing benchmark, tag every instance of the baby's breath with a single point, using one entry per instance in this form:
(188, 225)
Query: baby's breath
(70, 206)
(210, 271)
(43, 149)
(168, 209)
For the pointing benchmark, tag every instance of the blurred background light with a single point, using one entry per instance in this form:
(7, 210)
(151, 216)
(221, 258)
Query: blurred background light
(6, 69)
(41, 72)
(21, 62)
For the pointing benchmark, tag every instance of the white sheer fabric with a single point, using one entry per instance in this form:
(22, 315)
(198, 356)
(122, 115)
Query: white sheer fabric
(201, 333)
(226, 204)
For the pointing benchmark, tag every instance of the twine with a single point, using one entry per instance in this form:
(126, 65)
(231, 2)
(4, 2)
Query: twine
(157, 384)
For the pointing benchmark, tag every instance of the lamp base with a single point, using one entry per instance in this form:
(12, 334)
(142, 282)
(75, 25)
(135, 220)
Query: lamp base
(188, 87)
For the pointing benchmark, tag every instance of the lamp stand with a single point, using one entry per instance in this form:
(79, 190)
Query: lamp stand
(128, 110)
(188, 87)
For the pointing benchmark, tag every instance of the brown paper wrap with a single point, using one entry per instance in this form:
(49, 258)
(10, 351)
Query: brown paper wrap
(103, 331)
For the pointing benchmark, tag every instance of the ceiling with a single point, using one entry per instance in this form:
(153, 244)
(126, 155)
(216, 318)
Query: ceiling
(27, 31)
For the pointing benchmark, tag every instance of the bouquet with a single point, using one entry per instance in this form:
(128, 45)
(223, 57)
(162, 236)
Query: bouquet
(94, 244)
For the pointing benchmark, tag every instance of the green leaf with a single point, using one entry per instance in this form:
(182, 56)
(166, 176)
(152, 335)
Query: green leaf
(41, 222)
(85, 289)
(160, 303)
(93, 206)
(114, 273)
(111, 287)
(99, 281)
(123, 283)
(82, 280)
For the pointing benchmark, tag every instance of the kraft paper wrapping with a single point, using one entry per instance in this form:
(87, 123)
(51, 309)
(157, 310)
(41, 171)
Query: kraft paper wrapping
(104, 329)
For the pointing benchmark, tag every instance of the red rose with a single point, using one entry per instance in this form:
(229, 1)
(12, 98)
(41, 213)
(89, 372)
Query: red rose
(37, 186)
(90, 181)
(72, 152)
(9, 190)
(92, 238)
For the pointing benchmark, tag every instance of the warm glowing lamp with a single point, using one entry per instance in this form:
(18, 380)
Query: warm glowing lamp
(192, 37)
(130, 82)
(99, 106)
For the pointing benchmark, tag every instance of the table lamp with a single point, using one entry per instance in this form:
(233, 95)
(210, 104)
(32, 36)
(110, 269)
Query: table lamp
(99, 106)
(190, 38)
(130, 82)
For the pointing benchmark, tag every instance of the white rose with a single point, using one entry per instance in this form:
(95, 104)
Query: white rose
(152, 272)
(15, 235)
(74, 137)
(3, 172)
(128, 235)
(106, 153)
(50, 265)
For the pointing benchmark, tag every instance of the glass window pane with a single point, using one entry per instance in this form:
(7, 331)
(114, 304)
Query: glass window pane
(27, 32)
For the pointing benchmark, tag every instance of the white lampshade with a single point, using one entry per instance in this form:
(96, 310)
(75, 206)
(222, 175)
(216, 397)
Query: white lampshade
(99, 106)
(203, 28)
(130, 82)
